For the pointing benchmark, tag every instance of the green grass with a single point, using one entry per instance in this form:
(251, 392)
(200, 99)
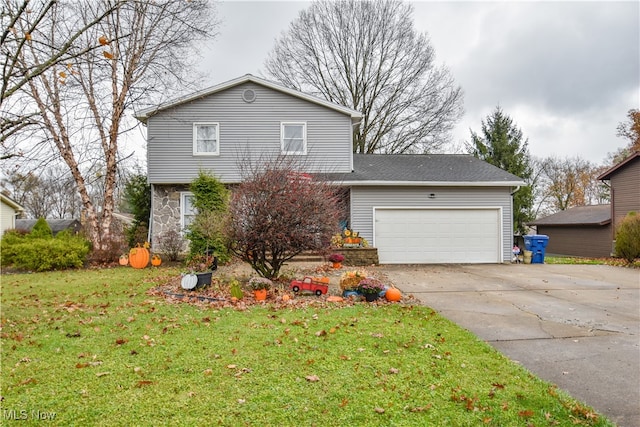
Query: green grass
(619, 262)
(95, 349)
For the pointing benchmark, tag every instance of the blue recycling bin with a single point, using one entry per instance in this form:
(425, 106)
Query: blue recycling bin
(537, 244)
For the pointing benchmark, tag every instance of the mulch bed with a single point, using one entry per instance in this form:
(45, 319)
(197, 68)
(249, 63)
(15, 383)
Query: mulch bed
(217, 295)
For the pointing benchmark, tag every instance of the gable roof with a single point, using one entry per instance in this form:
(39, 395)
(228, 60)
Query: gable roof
(11, 203)
(143, 115)
(606, 175)
(56, 225)
(579, 215)
(425, 169)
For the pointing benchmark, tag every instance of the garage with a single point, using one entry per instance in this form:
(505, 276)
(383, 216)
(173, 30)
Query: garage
(438, 235)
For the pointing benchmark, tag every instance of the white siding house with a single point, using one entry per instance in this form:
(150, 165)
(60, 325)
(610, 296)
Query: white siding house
(9, 211)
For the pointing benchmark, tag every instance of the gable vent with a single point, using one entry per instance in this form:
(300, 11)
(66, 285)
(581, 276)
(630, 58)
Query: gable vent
(249, 95)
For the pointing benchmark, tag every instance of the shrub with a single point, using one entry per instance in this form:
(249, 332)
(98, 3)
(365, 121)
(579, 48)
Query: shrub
(171, 244)
(113, 245)
(205, 233)
(43, 254)
(41, 230)
(628, 237)
(279, 213)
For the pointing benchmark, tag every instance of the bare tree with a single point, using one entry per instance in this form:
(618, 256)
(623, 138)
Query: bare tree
(569, 182)
(22, 24)
(366, 55)
(146, 47)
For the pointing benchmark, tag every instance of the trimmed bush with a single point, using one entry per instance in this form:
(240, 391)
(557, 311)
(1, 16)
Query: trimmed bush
(43, 253)
(628, 237)
(41, 230)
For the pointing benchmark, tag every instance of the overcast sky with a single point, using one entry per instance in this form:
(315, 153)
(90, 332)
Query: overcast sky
(566, 72)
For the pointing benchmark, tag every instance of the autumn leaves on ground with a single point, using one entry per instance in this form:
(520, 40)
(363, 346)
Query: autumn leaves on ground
(94, 347)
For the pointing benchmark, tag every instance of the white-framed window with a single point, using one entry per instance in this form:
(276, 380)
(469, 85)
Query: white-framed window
(206, 139)
(187, 210)
(293, 137)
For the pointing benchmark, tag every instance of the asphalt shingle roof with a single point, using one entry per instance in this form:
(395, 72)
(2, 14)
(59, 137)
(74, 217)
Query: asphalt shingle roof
(580, 215)
(426, 168)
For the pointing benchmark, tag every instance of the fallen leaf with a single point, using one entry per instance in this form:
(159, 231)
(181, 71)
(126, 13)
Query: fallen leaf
(143, 383)
(343, 403)
(321, 333)
(312, 378)
(393, 370)
(102, 374)
(232, 366)
(379, 410)
(121, 341)
(526, 413)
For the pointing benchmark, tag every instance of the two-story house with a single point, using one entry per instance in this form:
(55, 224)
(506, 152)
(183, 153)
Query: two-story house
(589, 231)
(413, 208)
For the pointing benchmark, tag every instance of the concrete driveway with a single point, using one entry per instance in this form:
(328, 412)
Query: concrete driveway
(577, 326)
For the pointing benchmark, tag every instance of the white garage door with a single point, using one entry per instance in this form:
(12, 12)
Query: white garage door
(432, 236)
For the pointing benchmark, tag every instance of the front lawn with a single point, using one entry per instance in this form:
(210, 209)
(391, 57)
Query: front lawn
(618, 262)
(93, 348)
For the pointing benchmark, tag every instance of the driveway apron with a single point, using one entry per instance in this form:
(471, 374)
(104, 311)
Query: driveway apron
(577, 326)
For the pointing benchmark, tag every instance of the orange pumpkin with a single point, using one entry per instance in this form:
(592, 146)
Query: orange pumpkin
(260, 294)
(124, 260)
(393, 294)
(139, 257)
(286, 297)
(156, 260)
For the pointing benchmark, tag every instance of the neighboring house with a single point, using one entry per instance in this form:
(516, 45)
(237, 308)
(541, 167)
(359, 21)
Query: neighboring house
(56, 225)
(9, 211)
(624, 182)
(413, 208)
(583, 231)
(589, 231)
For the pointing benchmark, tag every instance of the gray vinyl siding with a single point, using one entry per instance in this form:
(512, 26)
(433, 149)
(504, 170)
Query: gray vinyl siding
(364, 199)
(247, 130)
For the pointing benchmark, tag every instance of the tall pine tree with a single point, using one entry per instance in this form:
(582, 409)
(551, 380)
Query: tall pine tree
(501, 143)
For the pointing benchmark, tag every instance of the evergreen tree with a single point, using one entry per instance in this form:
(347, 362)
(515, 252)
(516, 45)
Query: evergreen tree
(501, 144)
(137, 198)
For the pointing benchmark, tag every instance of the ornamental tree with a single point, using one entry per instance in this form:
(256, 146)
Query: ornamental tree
(279, 213)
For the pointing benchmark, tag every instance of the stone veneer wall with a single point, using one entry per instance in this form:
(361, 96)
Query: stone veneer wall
(359, 256)
(166, 212)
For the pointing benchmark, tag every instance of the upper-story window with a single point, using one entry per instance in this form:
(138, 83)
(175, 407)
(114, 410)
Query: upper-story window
(293, 137)
(206, 139)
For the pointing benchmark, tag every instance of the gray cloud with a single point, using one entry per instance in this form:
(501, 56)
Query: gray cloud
(566, 72)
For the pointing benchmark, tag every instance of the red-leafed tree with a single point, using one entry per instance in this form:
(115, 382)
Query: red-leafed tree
(279, 213)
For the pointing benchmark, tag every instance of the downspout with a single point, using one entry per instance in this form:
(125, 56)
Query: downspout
(511, 202)
(150, 228)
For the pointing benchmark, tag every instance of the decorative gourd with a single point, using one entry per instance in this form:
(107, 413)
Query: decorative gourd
(189, 281)
(139, 257)
(124, 260)
(393, 294)
(286, 297)
(156, 260)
